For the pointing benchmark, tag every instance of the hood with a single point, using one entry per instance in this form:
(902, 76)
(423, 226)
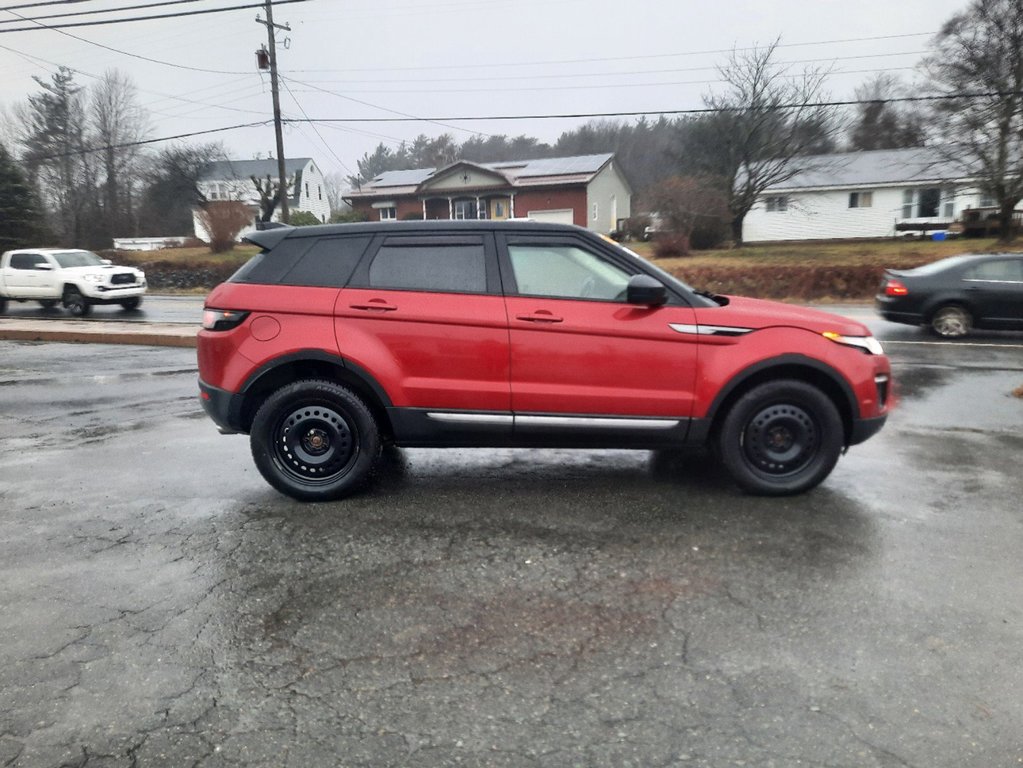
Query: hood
(742, 312)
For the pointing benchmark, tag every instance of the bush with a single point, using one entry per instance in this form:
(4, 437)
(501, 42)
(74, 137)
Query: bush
(303, 219)
(670, 245)
(223, 220)
(348, 217)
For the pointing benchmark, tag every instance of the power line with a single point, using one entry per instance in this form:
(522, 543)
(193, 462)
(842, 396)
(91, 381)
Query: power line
(315, 129)
(69, 25)
(37, 5)
(96, 11)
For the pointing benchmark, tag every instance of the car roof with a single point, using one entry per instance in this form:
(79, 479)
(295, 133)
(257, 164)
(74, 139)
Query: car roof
(268, 238)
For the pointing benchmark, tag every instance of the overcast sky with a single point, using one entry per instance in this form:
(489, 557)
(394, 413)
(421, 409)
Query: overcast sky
(450, 58)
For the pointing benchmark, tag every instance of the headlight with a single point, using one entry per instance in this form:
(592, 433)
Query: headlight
(868, 344)
(93, 278)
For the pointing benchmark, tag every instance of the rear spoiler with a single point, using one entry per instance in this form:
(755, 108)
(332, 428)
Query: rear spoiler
(269, 235)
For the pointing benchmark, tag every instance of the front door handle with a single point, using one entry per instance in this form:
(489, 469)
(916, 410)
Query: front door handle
(540, 316)
(374, 305)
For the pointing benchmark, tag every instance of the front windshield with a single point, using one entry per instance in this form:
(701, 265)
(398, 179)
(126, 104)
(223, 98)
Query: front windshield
(68, 259)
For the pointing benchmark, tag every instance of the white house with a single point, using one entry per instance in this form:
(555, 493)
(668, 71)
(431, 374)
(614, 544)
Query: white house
(233, 180)
(879, 193)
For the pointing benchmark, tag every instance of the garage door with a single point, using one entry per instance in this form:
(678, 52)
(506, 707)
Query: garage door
(559, 216)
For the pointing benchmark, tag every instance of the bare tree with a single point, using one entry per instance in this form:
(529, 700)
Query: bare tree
(881, 124)
(763, 122)
(335, 184)
(269, 196)
(684, 203)
(223, 220)
(978, 67)
(119, 124)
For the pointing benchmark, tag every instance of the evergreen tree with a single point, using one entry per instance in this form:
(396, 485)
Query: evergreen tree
(20, 219)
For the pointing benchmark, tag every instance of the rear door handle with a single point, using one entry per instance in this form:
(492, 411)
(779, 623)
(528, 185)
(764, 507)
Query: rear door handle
(540, 316)
(374, 305)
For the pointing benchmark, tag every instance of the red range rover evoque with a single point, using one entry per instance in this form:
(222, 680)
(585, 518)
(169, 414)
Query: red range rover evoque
(337, 339)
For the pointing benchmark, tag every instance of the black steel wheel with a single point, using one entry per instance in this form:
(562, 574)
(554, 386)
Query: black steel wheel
(781, 438)
(951, 321)
(314, 440)
(76, 303)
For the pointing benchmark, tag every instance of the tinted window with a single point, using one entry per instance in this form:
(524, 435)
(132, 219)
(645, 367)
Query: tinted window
(566, 271)
(329, 263)
(26, 260)
(269, 267)
(1010, 270)
(434, 267)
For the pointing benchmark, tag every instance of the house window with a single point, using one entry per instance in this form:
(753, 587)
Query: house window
(498, 210)
(929, 200)
(777, 204)
(388, 214)
(465, 209)
(861, 199)
(596, 212)
(987, 200)
(319, 192)
(907, 204)
(307, 189)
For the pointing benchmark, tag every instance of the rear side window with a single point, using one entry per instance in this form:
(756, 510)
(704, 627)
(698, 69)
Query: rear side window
(329, 263)
(1007, 271)
(268, 267)
(453, 268)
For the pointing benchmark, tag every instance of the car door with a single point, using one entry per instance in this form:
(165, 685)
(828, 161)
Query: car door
(425, 314)
(578, 348)
(995, 289)
(27, 277)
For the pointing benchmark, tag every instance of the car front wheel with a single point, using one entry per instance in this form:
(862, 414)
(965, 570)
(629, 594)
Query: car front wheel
(314, 440)
(75, 303)
(130, 304)
(780, 438)
(951, 321)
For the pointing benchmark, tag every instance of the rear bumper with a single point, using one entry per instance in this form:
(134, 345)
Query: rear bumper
(225, 408)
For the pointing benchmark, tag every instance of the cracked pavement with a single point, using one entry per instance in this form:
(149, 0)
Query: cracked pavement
(162, 606)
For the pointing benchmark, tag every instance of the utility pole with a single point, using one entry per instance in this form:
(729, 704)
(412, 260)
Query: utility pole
(274, 89)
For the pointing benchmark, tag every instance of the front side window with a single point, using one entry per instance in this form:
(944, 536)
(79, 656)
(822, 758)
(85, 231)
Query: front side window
(565, 271)
(446, 268)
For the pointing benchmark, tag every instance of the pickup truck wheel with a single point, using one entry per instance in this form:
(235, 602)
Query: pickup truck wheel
(130, 304)
(48, 303)
(75, 303)
(3, 304)
(314, 440)
(780, 438)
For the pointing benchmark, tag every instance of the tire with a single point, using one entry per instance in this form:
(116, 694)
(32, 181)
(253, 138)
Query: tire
(129, 304)
(48, 303)
(314, 440)
(75, 303)
(3, 304)
(780, 438)
(951, 321)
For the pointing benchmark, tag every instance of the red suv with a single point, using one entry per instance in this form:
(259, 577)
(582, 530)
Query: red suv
(337, 339)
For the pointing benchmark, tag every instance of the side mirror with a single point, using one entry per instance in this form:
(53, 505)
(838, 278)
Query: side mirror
(646, 291)
(44, 266)
(106, 261)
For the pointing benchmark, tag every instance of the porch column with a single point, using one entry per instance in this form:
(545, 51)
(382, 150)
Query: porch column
(511, 207)
(424, 209)
(451, 209)
(478, 207)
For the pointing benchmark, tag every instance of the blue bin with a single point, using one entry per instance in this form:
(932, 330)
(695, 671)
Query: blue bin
(939, 235)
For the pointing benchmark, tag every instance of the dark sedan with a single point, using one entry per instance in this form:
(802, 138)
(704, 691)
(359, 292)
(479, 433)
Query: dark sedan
(955, 295)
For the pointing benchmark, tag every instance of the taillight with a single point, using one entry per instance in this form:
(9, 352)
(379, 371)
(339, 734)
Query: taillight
(895, 287)
(222, 319)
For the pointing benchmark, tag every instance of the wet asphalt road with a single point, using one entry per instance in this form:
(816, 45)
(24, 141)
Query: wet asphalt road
(162, 606)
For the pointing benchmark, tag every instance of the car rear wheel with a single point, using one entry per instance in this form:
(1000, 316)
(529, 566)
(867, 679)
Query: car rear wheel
(780, 438)
(314, 440)
(75, 303)
(951, 321)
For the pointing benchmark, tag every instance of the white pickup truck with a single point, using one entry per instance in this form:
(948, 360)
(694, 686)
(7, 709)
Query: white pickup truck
(77, 279)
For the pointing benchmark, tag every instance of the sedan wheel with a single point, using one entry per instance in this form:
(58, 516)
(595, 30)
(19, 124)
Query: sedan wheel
(951, 322)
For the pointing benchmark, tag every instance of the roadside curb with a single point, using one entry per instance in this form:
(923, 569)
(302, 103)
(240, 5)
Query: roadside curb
(101, 332)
